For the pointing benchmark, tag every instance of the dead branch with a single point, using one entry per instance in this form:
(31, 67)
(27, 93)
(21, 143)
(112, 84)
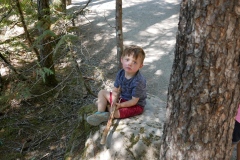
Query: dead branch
(86, 86)
(22, 77)
(26, 30)
(5, 15)
(79, 12)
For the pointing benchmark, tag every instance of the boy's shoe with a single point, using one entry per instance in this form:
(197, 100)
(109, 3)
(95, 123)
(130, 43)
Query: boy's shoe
(98, 118)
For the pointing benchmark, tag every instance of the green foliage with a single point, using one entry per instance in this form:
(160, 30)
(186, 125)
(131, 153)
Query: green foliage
(23, 92)
(30, 11)
(4, 100)
(5, 12)
(66, 41)
(47, 33)
(43, 72)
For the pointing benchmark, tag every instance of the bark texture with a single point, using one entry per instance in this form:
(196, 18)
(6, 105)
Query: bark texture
(46, 54)
(119, 33)
(204, 85)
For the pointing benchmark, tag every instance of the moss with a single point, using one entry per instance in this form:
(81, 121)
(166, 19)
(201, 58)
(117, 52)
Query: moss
(4, 102)
(89, 109)
(80, 134)
(134, 139)
(142, 130)
(147, 141)
(131, 153)
(122, 133)
(10, 156)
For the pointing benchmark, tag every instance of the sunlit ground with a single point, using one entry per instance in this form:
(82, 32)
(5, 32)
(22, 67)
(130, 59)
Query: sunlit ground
(150, 24)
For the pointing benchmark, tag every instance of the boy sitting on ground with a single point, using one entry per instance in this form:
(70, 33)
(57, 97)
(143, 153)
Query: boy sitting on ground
(133, 89)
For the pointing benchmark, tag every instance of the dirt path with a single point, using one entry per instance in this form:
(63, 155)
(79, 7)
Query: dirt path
(148, 23)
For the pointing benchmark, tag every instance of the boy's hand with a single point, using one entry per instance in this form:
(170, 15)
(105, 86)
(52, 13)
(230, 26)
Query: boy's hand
(118, 105)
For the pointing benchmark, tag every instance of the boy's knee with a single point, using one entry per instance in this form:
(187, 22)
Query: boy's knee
(101, 92)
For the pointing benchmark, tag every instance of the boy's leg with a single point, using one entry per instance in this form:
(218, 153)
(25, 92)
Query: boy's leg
(129, 111)
(103, 99)
(101, 115)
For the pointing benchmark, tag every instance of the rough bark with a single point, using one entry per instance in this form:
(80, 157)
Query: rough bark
(119, 34)
(204, 85)
(46, 54)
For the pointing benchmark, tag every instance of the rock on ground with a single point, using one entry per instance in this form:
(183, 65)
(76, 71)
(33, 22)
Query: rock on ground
(131, 138)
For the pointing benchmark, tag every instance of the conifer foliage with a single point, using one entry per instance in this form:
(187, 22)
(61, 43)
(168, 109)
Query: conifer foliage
(26, 25)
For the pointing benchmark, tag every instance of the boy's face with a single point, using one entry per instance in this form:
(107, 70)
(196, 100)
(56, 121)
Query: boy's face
(130, 64)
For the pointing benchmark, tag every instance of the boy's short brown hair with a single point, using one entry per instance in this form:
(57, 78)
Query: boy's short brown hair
(134, 50)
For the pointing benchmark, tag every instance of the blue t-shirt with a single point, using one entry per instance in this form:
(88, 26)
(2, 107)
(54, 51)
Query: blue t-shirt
(133, 87)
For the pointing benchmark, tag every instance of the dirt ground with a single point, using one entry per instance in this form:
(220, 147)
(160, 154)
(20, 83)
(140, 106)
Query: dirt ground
(38, 125)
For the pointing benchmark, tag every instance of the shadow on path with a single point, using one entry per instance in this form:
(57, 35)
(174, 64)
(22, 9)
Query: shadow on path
(148, 23)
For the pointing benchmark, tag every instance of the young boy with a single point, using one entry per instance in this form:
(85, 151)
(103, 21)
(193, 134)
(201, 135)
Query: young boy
(133, 89)
(236, 133)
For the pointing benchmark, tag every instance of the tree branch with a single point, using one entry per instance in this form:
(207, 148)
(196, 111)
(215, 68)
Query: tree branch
(26, 30)
(22, 77)
(5, 15)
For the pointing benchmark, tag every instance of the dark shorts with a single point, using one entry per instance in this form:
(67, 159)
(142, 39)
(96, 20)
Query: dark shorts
(128, 111)
(236, 133)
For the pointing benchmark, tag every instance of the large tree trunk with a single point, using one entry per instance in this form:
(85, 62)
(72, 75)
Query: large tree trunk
(46, 58)
(204, 85)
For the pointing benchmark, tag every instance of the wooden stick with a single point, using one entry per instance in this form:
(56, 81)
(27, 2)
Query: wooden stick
(111, 117)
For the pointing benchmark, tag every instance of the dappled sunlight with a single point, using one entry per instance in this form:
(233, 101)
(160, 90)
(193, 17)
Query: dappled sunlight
(92, 60)
(118, 144)
(105, 155)
(173, 1)
(12, 32)
(158, 72)
(151, 58)
(132, 138)
(150, 24)
(97, 37)
(103, 5)
(127, 26)
(101, 24)
(4, 70)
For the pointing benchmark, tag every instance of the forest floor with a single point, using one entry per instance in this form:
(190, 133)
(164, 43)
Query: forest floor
(37, 121)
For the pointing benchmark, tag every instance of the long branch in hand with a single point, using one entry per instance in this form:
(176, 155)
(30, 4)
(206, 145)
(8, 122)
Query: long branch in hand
(115, 96)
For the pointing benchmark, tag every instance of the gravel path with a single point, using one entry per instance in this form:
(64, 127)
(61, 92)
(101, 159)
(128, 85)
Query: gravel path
(151, 24)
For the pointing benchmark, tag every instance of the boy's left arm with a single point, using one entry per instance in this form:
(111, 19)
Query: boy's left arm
(128, 103)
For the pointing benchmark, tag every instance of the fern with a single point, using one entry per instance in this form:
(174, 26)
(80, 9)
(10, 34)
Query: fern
(45, 34)
(63, 41)
(43, 72)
